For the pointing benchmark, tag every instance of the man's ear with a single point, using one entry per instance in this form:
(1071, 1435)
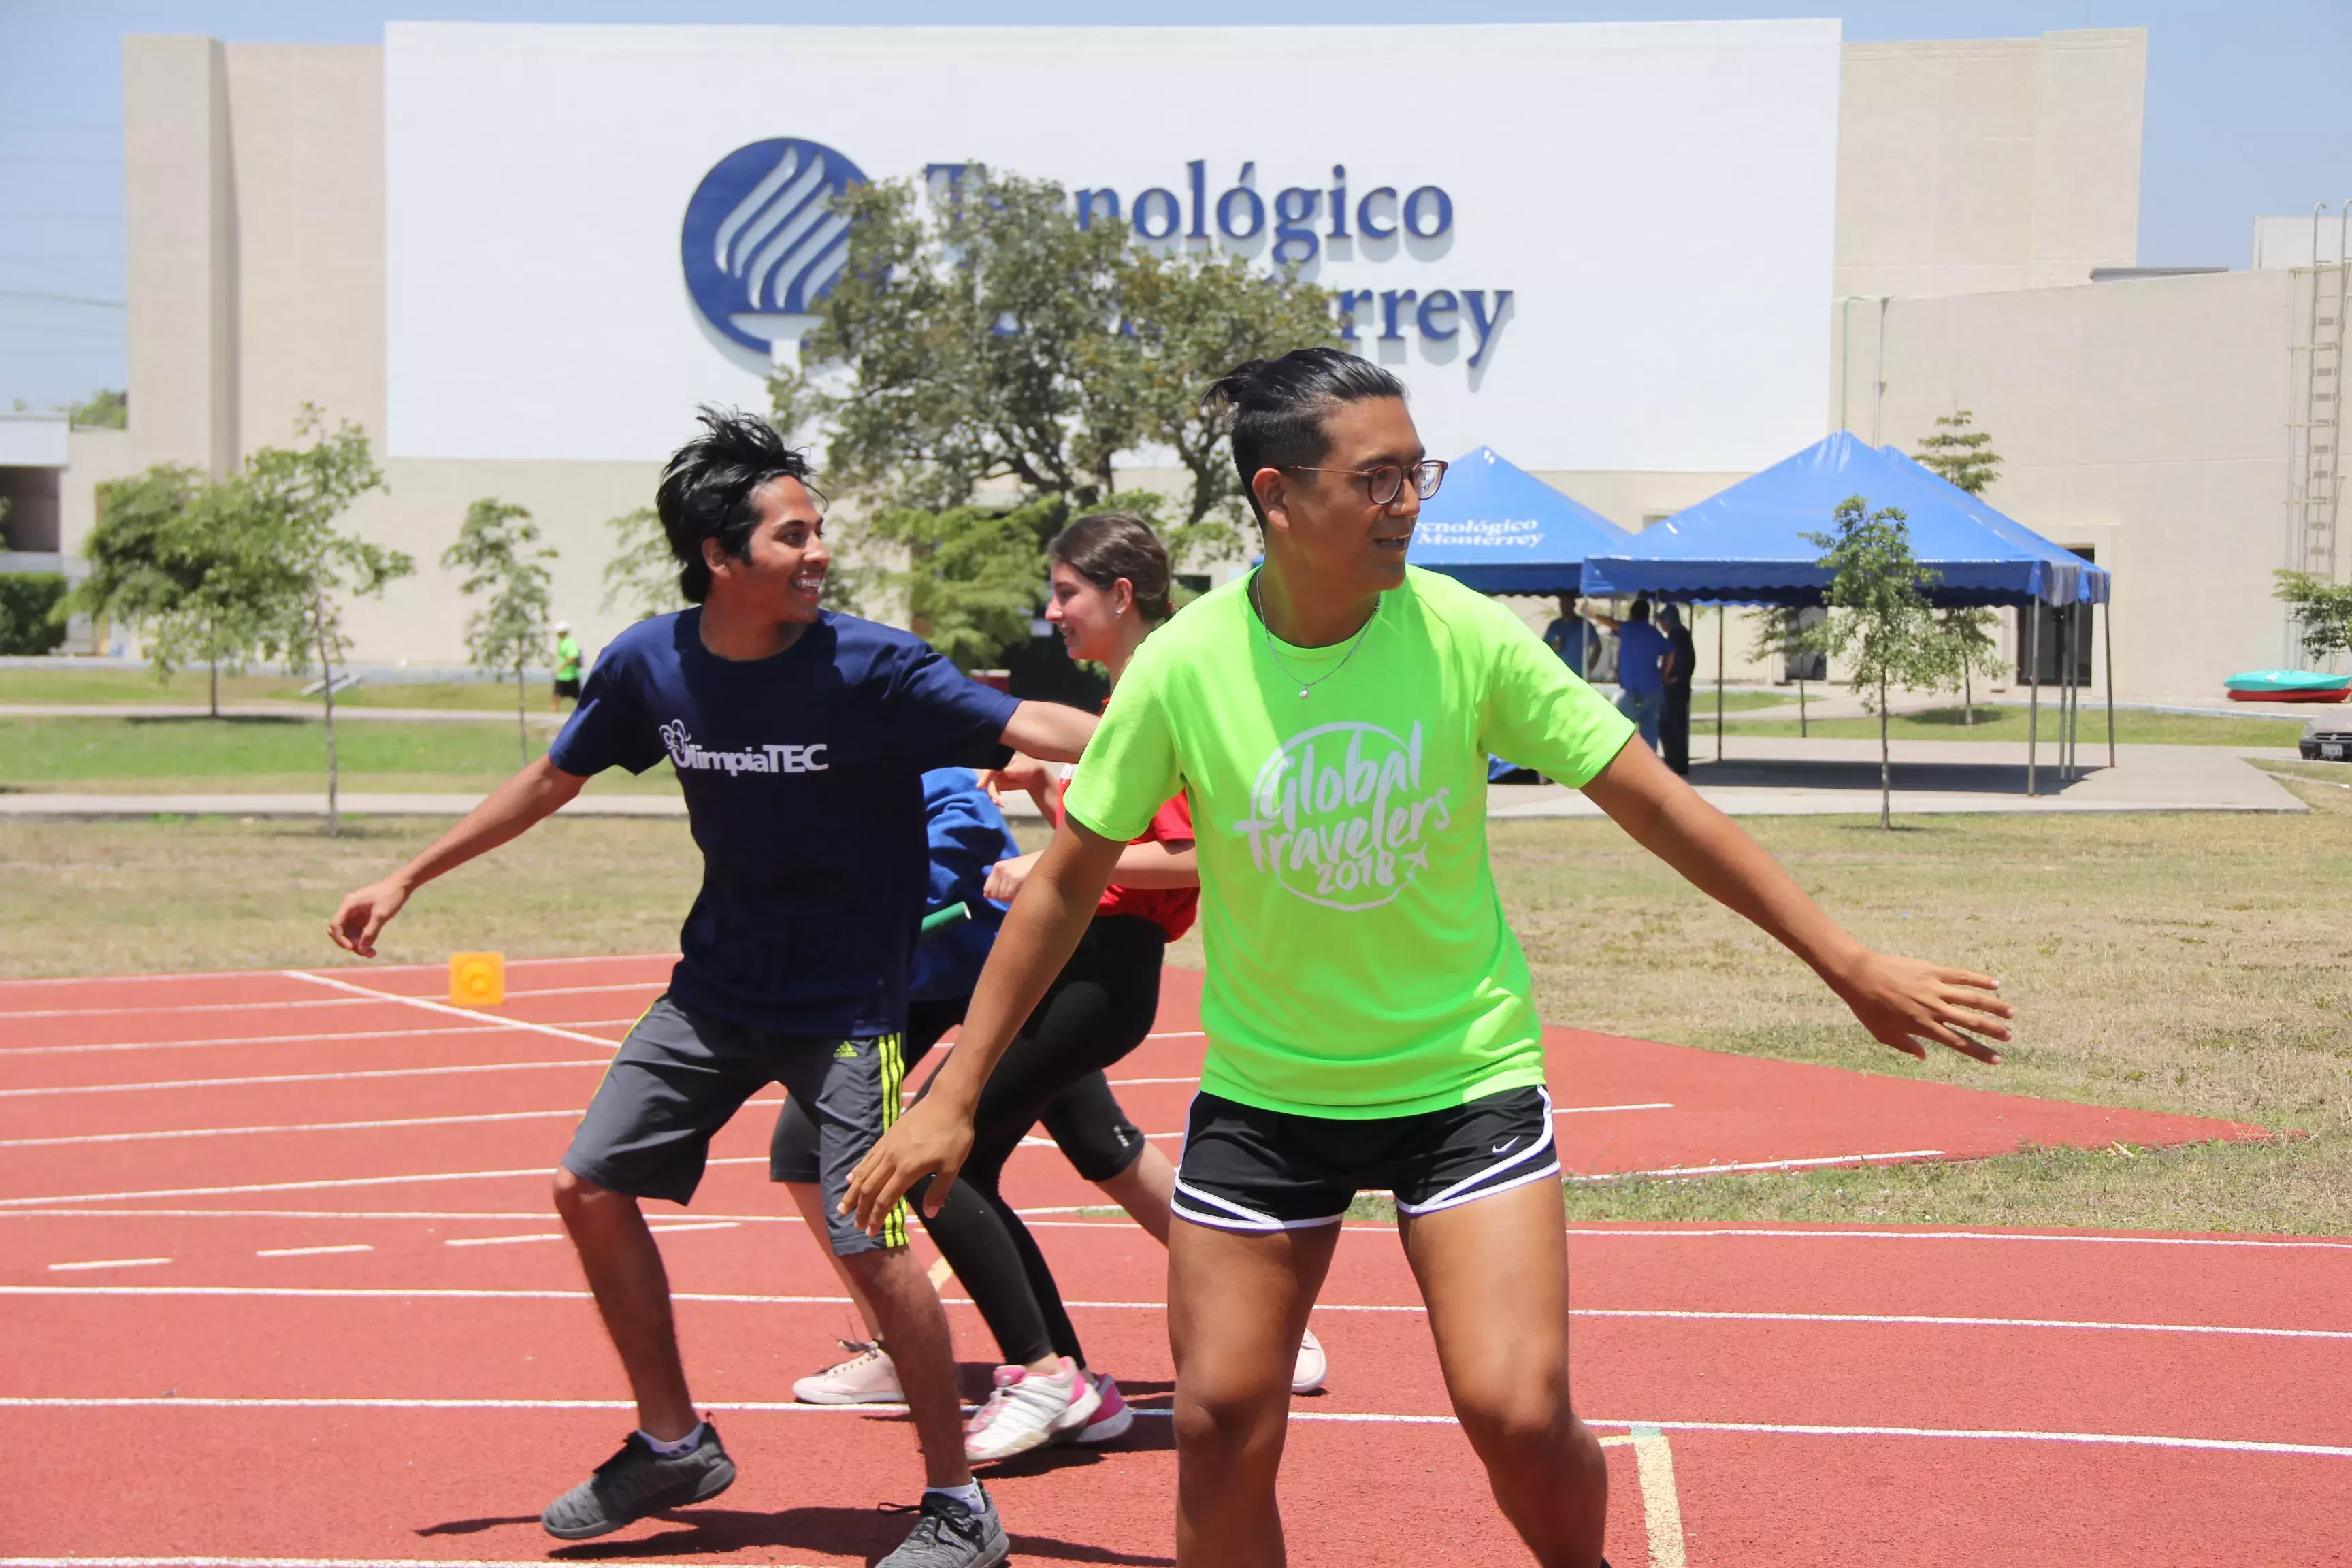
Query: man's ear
(1272, 488)
(714, 556)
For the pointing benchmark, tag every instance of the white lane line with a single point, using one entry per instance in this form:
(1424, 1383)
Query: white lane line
(444, 1008)
(572, 1111)
(1598, 1109)
(295, 1078)
(312, 1251)
(1606, 1178)
(1859, 1319)
(112, 980)
(1661, 1508)
(337, 1562)
(656, 1229)
(1131, 1083)
(489, 1026)
(1796, 1429)
(322, 1184)
(1802, 1233)
(111, 1263)
(312, 1002)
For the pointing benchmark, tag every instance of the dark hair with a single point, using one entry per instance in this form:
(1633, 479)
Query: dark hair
(1640, 612)
(1104, 546)
(707, 488)
(1276, 408)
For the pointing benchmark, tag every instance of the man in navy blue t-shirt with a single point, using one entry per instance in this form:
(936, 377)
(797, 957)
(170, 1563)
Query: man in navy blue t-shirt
(1645, 658)
(800, 738)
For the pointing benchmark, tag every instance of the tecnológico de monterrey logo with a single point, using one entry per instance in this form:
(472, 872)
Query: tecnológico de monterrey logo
(761, 238)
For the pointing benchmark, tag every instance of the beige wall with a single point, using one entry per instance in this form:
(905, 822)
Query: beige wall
(1987, 163)
(2146, 419)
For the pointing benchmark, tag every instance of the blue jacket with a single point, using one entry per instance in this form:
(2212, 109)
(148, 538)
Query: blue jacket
(967, 835)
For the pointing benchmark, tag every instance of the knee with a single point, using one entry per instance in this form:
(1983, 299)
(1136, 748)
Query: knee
(1521, 1425)
(1228, 1418)
(579, 1200)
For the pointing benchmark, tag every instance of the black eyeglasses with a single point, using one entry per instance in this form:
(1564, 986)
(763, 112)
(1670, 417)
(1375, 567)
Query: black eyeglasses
(1385, 481)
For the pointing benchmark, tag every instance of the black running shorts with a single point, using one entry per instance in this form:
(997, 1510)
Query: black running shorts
(1252, 1170)
(682, 1073)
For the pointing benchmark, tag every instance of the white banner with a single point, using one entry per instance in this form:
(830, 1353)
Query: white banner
(1591, 247)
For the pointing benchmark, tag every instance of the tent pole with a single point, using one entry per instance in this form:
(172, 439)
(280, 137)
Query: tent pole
(2065, 696)
(2034, 702)
(1722, 616)
(2108, 627)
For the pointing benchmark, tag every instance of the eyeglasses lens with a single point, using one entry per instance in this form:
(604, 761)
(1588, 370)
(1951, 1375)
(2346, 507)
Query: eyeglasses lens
(1426, 478)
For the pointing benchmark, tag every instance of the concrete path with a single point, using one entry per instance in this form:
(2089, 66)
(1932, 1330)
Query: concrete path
(1761, 776)
(1786, 776)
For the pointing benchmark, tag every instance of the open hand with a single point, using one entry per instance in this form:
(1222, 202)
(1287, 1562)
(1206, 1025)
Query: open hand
(1905, 1000)
(363, 914)
(1004, 878)
(929, 1140)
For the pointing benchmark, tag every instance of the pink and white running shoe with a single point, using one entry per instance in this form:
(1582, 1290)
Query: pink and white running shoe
(1111, 1418)
(1028, 1411)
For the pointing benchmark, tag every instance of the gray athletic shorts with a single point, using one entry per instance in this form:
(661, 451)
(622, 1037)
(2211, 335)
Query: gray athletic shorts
(682, 1073)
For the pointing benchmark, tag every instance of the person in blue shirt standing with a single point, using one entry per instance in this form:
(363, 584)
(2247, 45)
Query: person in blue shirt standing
(1641, 654)
(799, 738)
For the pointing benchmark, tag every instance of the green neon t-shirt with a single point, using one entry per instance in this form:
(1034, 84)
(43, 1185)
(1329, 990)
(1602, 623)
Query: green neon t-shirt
(567, 655)
(1359, 964)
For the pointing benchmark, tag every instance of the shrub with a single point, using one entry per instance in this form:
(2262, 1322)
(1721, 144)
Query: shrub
(32, 612)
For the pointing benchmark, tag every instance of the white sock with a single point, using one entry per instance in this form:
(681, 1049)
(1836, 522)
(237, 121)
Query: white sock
(969, 1494)
(671, 1450)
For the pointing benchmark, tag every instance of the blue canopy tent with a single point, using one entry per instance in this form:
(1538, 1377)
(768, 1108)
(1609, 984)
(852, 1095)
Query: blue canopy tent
(1748, 545)
(1496, 528)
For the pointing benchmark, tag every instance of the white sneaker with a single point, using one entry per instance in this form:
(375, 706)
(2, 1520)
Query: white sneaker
(1111, 1418)
(1028, 1411)
(869, 1377)
(1307, 1374)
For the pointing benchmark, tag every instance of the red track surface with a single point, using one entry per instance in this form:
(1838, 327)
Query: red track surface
(1811, 1395)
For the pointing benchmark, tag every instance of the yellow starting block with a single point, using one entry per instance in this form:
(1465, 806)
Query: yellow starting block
(478, 979)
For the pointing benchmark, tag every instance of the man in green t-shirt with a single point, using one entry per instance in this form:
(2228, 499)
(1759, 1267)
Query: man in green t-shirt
(1370, 1015)
(567, 668)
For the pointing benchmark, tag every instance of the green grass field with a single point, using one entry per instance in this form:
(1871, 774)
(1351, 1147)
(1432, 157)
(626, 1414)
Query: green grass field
(2180, 963)
(265, 755)
(189, 688)
(2007, 721)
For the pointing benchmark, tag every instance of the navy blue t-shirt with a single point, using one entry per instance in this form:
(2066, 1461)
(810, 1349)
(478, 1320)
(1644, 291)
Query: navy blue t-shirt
(803, 781)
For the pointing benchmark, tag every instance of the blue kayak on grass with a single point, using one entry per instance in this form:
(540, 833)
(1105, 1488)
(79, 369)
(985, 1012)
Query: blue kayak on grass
(2294, 680)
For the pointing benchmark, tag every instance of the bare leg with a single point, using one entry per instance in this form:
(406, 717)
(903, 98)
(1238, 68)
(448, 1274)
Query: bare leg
(914, 1327)
(809, 1198)
(632, 1289)
(1495, 1275)
(1236, 1306)
(1144, 1189)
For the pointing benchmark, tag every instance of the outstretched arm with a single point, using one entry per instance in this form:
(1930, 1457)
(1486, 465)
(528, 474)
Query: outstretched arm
(1054, 731)
(1901, 1001)
(933, 1138)
(530, 797)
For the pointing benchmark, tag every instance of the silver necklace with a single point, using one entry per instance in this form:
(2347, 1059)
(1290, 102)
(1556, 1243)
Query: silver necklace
(1306, 685)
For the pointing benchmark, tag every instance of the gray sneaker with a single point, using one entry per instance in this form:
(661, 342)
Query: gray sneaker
(637, 1482)
(950, 1535)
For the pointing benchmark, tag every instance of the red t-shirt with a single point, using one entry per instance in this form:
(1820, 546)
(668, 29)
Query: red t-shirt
(1172, 909)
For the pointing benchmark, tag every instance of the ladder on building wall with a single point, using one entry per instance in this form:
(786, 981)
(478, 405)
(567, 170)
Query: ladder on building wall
(2317, 428)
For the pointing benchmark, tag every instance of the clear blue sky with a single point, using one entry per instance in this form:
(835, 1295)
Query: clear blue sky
(2245, 111)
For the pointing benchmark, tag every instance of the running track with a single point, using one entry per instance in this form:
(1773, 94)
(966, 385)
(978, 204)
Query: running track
(280, 1283)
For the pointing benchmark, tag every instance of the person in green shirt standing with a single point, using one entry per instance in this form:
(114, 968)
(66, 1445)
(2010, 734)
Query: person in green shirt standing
(567, 668)
(1370, 1015)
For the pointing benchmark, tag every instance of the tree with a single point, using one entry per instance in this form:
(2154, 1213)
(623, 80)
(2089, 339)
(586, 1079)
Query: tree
(1964, 457)
(173, 555)
(1887, 633)
(2322, 608)
(1781, 633)
(980, 336)
(101, 410)
(642, 575)
(497, 548)
(291, 497)
(1962, 454)
(32, 612)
